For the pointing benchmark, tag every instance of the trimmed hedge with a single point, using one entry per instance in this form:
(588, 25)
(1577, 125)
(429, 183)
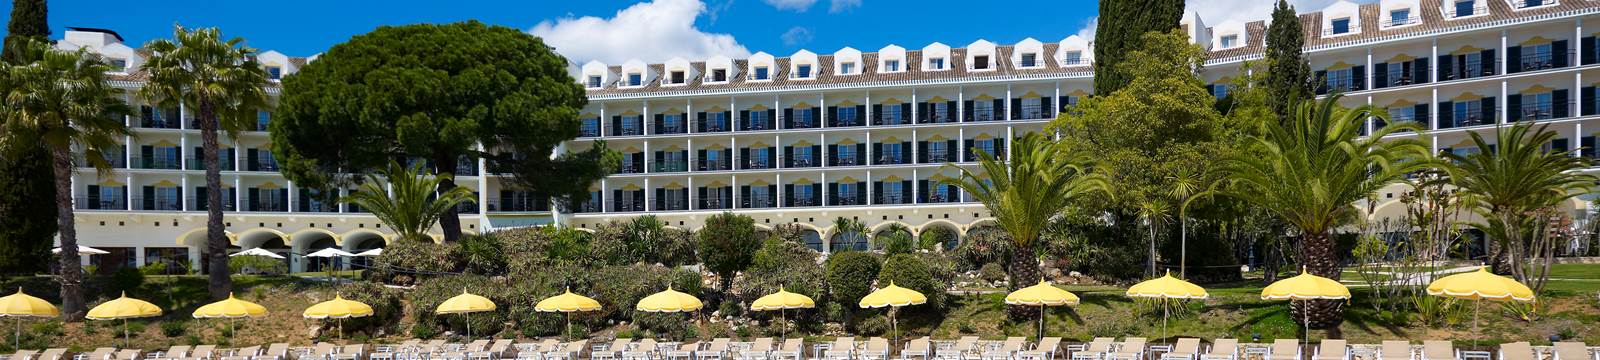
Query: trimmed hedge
(909, 271)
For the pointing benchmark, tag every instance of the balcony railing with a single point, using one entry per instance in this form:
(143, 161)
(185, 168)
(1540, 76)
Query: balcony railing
(589, 130)
(1533, 62)
(941, 197)
(802, 201)
(1392, 22)
(116, 160)
(847, 160)
(716, 126)
(672, 128)
(627, 131)
(1523, 4)
(1541, 110)
(630, 168)
(262, 165)
(157, 162)
(984, 115)
(627, 206)
(716, 203)
(158, 123)
(802, 162)
(936, 157)
(671, 166)
(804, 123)
(159, 203)
(1451, 11)
(752, 164)
(892, 160)
(85, 203)
(199, 203)
(891, 198)
(591, 206)
(467, 208)
(759, 125)
(757, 202)
(1475, 70)
(224, 162)
(718, 165)
(274, 206)
(845, 200)
(1468, 120)
(466, 167)
(307, 205)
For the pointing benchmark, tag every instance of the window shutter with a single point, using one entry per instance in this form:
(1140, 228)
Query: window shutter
(877, 114)
(922, 112)
(1061, 103)
(1044, 106)
(922, 190)
(788, 198)
(744, 196)
(1586, 98)
(861, 110)
(1420, 114)
(727, 117)
(283, 199)
(659, 120)
(1586, 50)
(861, 154)
(1446, 115)
(700, 160)
(834, 151)
(966, 111)
(1419, 71)
(950, 150)
(950, 110)
(1488, 114)
(772, 194)
(905, 114)
(744, 158)
(814, 112)
(877, 192)
(772, 116)
(616, 125)
(701, 197)
(861, 192)
(700, 122)
(250, 157)
(1380, 75)
(1359, 77)
(1000, 149)
(999, 109)
(1016, 108)
(1513, 107)
(833, 116)
(1488, 65)
(905, 191)
(877, 152)
(966, 150)
(816, 155)
(1513, 59)
(149, 202)
(905, 152)
(1444, 67)
(922, 151)
(1558, 103)
(788, 118)
(744, 120)
(1558, 53)
(1588, 145)
(255, 199)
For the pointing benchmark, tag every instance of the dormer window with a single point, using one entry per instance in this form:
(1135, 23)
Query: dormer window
(891, 65)
(1399, 17)
(1030, 60)
(1229, 41)
(761, 73)
(594, 81)
(274, 72)
(677, 77)
(803, 71)
(1529, 3)
(1464, 8)
(847, 68)
(980, 62)
(635, 79)
(1341, 26)
(1074, 57)
(118, 65)
(719, 75)
(936, 64)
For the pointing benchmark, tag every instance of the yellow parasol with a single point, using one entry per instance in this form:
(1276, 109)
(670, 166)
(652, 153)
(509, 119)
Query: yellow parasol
(1305, 287)
(1480, 285)
(231, 309)
(339, 309)
(567, 303)
(124, 308)
(1166, 288)
(465, 304)
(781, 301)
(669, 301)
(893, 297)
(21, 305)
(1041, 295)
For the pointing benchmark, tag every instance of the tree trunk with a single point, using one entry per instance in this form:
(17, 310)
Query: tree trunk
(72, 306)
(450, 221)
(1150, 258)
(1321, 260)
(219, 283)
(1023, 269)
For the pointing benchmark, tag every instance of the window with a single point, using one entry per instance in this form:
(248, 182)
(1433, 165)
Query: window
(1469, 113)
(1402, 114)
(1399, 17)
(846, 155)
(938, 151)
(758, 196)
(1030, 60)
(635, 79)
(119, 65)
(847, 68)
(848, 116)
(803, 71)
(719, 75)
(891, 115)
(802, 156)
(980, 62)
(890, 154)
(1341, 26)
(1464, 8)
(759, 120)
(1341, 80)
(1229, 41)
(263, 118)
(891, 66)
(936, 64)
(804, 118)
(1535, 57)
(1537, 106)
(274, 72)
(1220, 91)
(715, 121)
(672, 124)
(1074, 57)
(1032, 108)
(594, 81)
(677, 77)
(939, 112)
(760, 158)
(1532, 3)
(891, 193)
(983, 111)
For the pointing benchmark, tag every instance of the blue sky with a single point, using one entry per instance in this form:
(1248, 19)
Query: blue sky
(614, 31)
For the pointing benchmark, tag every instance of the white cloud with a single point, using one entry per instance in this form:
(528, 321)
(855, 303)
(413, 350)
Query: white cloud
(837, 6)
(651, 32)
(1089, 27)
(1219, 11)
(796, 5)
(796, 36)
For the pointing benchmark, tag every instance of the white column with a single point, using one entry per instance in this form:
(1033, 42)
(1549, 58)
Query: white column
(869, 109)
(689, 118)
(1433, 61)
(1433, 116)
(1504, 114)
(961, 103)
(822, 140)
(733, 114)
(1503, 54)
(648, 191)
(915, 152)
(914, 105)
(691, 154)
(733, 153)
(781, 195)
(294, 196)
(869, 155)
(1367, 72)
(1578, 139)
(691, 189)
(916, 192)
(870, 192)
(238, 195)
(827, 188)
(128, 193)
(605, 191)
(647, 157)
(961, 145)
(734, 189)
(822, 104)
(604, 121)
(483, 182)
(1007, 103)
(1577, 99)
(1369, 118)
(645, 120)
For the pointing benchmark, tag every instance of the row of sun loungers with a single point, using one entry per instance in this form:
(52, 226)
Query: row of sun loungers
(843, 348)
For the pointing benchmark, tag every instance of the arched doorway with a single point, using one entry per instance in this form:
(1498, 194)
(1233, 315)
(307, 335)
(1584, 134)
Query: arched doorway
(360, 244)
(813, 238)
(946, 234)
(267, 239)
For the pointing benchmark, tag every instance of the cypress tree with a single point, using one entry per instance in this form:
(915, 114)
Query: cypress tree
(1288, 75)
(1118, 32)
(27, 211)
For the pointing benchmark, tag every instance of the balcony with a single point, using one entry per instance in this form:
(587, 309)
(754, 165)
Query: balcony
(467, 208)
(199, 204)
(1543, 110)
(758, 201)
(1464, 10)
(316, 206)
(671, 166)
(937, 157)
(1034, 112)
(759, 125)
(590, 128)
(1535, 62)
(158, 123)
(99, 203)
(353, 208)
(157, 162)
(846, 160)
(159, 203)
(801, 161)
(114, 159)
(845, 200)
(984, 115)
(671, 203)
(196, 163)
(515, 204)
(269, 206)
(629, 167)
(588, 207)
(846, 120)
(803, 123)
(1389, 22)
(672, 127)
(716, 126)
(466, 166)
(758, 163)
(716, 203)
(713, 165)
(1470, 70)
(262, 165)
(802, 201)
(938, 197)
(627, 206)
(895, 159)
(1524, 4)
(1460, 120)
(889, 199)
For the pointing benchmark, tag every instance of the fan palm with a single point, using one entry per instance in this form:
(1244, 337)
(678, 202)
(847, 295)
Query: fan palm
(1311, 171)
(222, 82)
(1514, 178)
(61, 101)
(1188, 186)
(409, 204)
(1041, 180)
(1156, 213)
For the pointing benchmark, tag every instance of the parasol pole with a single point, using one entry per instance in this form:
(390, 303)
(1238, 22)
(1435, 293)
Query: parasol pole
(1041, 322)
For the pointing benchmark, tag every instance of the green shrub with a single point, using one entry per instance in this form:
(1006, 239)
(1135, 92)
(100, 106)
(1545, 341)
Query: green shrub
(895, 240)
(909, 271)
(386, 306)
(403, 258)
(992, 272)
(135, 327)
(645, 239)
(850, 276)
(983, 245)
(727, 242)
(874, 325)
(531, 251)
(126, 279)
(256, 265)
(675, 326)
(431, 292)
(483, 255)
(619, 288)
(423, 330)
(781, 264)
(174, 328)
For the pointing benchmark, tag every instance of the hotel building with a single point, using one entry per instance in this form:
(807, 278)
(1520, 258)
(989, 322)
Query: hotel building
(807, 138)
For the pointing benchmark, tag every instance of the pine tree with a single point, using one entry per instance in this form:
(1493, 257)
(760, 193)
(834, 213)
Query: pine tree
(27, 216)
(1288, 75)
(1119, 30)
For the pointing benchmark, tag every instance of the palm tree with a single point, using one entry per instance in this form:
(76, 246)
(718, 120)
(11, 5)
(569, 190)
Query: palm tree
(1510, 180)
(1311, 171)
(223, 83)
(409, 204)
(847, 231)
(1041, 180)
(61, 101)
(1187, 186)
(1156, 213)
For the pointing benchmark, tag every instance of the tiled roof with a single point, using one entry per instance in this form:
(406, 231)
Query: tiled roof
(1371, 30)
